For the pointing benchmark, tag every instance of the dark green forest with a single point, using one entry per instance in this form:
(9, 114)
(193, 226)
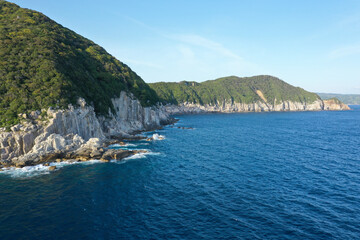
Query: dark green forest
(44, 64)
(241, 90)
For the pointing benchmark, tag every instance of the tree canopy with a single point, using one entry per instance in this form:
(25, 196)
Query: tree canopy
(241, 90)
(44, 64)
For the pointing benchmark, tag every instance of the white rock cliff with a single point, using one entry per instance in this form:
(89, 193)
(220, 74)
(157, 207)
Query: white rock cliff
(74, 127)
(259, 106)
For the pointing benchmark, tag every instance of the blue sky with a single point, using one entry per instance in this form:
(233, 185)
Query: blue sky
(311, 44)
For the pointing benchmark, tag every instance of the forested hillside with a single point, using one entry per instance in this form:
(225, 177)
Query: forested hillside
(43, 64)
(241, 90)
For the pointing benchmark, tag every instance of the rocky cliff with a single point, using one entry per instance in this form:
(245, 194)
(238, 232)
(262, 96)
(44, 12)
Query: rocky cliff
(259, 106)
(76, 128)
(335, 104)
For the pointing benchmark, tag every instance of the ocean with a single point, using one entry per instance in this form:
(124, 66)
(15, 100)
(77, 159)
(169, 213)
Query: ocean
(288, 175)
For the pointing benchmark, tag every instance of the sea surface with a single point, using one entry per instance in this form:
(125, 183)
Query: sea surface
(293, 175)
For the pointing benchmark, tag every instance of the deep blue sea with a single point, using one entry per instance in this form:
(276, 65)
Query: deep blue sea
(293, 175)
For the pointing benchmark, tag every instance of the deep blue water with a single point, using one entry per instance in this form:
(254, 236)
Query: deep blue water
(235, 176)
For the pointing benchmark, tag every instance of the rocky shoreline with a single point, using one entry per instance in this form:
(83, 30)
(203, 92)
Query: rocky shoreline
(260, 106)
(77, 134)
(91, 150)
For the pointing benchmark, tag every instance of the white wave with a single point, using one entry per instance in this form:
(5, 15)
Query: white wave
(40, 169)
(28, 171)
(136, 156)
(123, 145)
(157, 136)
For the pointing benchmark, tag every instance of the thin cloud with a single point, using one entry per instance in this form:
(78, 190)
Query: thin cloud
(191, 39)
(206, 43)
(143, 25)
(201, 53)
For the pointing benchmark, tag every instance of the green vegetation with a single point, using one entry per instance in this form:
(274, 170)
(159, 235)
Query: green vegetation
(352, 99)
(241, 90)
(334, 100)
(43, 64)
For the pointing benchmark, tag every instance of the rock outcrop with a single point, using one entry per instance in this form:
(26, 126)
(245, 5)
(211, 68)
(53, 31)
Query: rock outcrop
(259, 106)
(77, 129)
(335, 104)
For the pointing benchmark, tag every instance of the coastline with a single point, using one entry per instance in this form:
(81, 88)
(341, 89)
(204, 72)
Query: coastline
(111, 150)
(77, 132)
(96, 146)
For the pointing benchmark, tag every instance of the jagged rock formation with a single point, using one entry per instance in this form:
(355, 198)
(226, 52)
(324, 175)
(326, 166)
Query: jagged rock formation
(229, 107)
(78, 128)
(335, 104)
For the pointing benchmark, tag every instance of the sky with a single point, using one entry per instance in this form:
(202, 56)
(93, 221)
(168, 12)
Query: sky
(311, 44)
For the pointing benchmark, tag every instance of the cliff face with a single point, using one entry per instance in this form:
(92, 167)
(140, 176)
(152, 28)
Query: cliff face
(70, 129)
(259, 106)
(335, 104)
(130, 116)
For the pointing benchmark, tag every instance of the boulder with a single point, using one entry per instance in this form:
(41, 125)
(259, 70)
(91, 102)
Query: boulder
(52, 168)
(51, 156)
(82, 159)
(92, 143)
(96, 154)
(20, 165)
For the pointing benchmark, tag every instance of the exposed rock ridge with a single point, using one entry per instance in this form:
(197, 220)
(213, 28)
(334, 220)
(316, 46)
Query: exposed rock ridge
(335, 104)
(259, 106)
(70, 129)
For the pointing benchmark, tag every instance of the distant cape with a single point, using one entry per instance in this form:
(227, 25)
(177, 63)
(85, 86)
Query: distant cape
(235, 94)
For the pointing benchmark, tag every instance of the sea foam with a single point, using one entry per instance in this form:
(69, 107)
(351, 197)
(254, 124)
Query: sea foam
(40, 169)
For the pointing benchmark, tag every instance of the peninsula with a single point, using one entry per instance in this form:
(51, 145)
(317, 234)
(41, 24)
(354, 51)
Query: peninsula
(234, 94)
